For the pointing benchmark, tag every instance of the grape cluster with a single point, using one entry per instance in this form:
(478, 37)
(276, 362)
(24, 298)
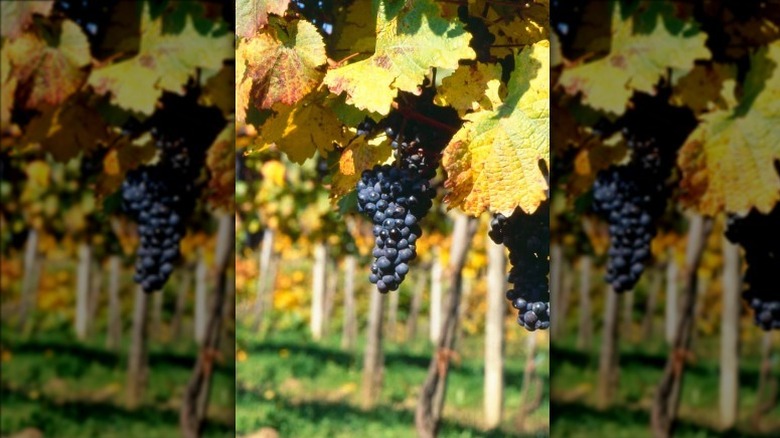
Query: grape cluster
(757, 234)
(633, 197)
(160, 197)
(396, 197)
(527, 237)
(631, 205)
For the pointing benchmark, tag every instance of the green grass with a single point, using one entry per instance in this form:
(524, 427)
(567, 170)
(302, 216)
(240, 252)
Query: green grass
(67, 388)
(303, 388)
(574, 381)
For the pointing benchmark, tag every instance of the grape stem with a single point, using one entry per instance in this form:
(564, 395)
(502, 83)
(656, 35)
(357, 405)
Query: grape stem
(493, 2)
(411, 114)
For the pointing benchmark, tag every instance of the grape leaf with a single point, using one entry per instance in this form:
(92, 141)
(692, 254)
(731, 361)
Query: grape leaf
(123, 156)
(301, 130)
(636, 61)
(706, 87)
(16, 16)
(243, 86)
(220, 160)
(470, 88)
(67, 129)
(411, 39)
(354, 31)
(164, 62)
(360, 155)
(52, 67)
(281, 64)
(518, 29)
(252, 15)
(493, 161)
(728, 161)
(218, 90)
(8, 82)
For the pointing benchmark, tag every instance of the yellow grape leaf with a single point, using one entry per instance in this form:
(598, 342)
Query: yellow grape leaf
(164, 62)
(493, 161)
(16, 16)
(354, 31)
(357, 157)
(243, 85)
(220, 160)
(705, 87)
(636, 61)
(728, 162)
(53, 72)
(252, 15)
(411, 38)
(301, 130)
(7, 91)
(123, 156)
(281, 64)
(524, 28)
(68, 129)
(467, 89)
(218, 90)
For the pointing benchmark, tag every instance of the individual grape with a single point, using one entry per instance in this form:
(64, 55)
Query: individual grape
(162, 196)
(366, 126)
(757, 234)
(527, 238)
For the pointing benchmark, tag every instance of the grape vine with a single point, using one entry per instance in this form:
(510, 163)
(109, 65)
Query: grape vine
(161, 196)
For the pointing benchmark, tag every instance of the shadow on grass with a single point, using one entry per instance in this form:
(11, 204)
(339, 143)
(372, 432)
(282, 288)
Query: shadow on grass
(639, 360)
(575, 415)
(286, 415)
(97, 355)
(54, 417)
(323, 354)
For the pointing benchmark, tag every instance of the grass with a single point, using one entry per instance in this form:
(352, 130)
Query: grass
(574, 380)
(302, 388)
(76, 389)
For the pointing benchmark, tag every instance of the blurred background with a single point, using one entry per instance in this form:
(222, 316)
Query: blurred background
(85, 352)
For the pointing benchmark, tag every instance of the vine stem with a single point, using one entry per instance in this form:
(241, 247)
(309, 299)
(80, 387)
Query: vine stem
(411, 114)
(494, 2)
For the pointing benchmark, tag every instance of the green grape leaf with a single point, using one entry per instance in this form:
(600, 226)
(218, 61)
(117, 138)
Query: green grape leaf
(164, 62)
(636, 61)
(411, 38)
(252, 15)
(494, 161)
(728, 161)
